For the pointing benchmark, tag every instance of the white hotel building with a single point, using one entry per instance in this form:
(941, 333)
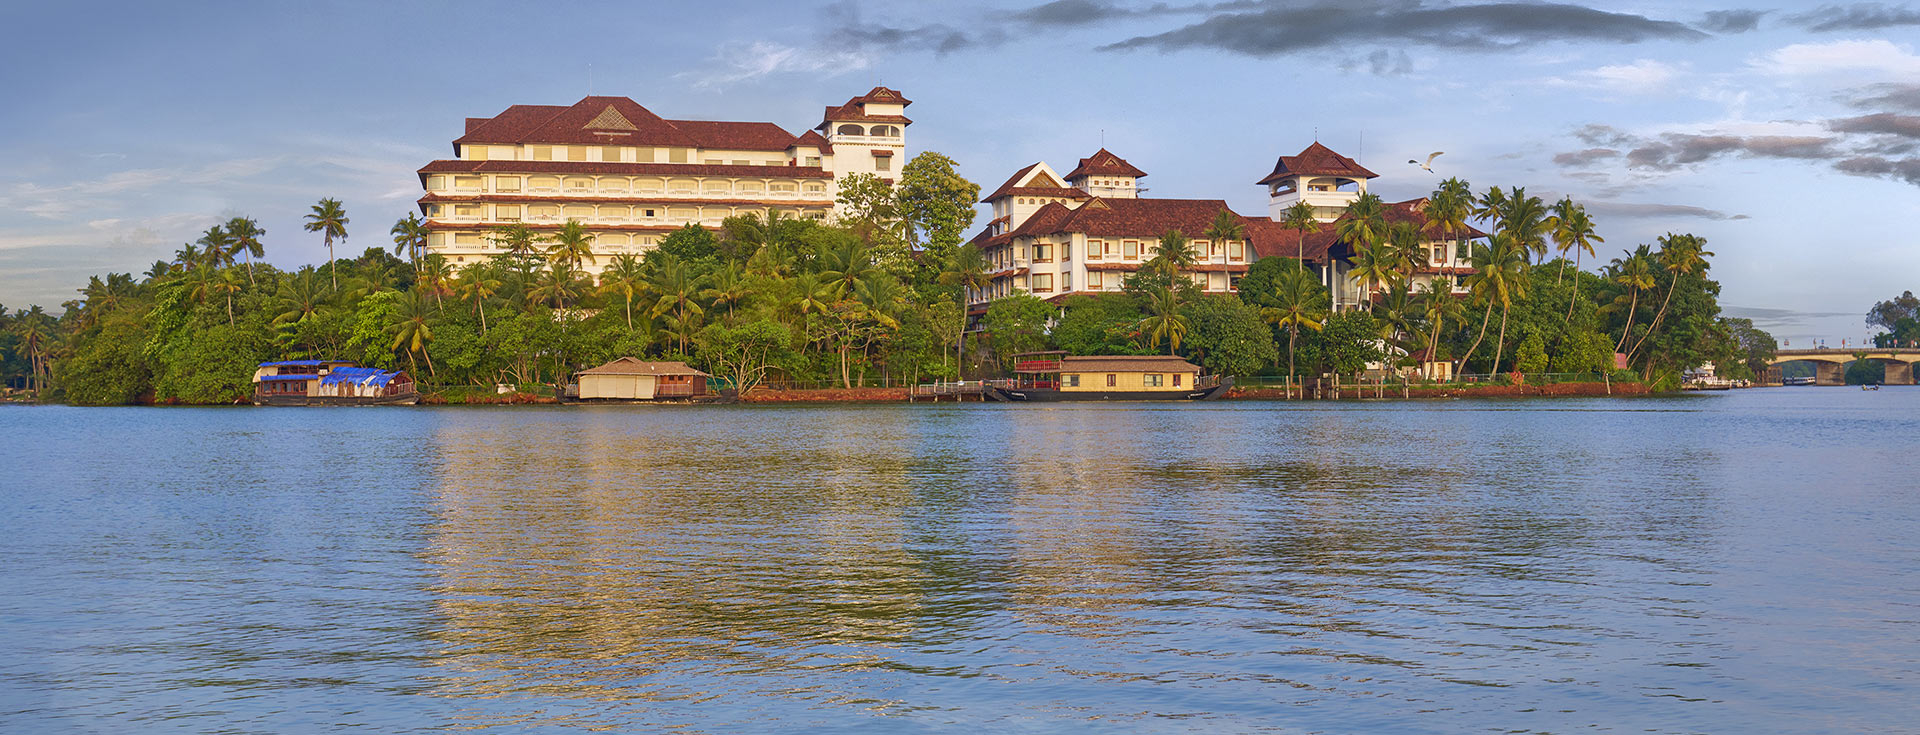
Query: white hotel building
(631, 176)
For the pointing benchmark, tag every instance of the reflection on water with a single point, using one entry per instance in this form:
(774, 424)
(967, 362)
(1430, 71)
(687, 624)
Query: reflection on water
(1738, 562)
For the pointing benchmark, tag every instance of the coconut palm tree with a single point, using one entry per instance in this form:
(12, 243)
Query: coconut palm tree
(301, 296)
(1164, 322)
(845, 264)
(243, 234)
(410, 237)
(1175, 255)
(624, 277)
(1490, 206)
(410, 325)
(1375, 267)
(329, 219)
(968, 270)
(477, 284)
(1573, 231)
(1525, 220)
(185, 258)
(1497, 265)
(36, 332)
(435, 275)
(1438, 307)
(728, 285)
(1507, 283)
(1300, 219)
(216, 246)
(1298, 300)
(557, 286)
(1225, 227)
(572, 246)
(1409, 252)
(1634, 273)
(227, 284)
(521, 244)
(677, 290)
(1681, 256)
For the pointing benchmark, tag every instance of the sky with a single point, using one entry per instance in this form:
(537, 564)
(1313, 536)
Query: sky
(1786, 134)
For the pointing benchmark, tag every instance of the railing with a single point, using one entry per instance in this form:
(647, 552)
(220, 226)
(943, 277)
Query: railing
(1036, 366)
(1023, 384)
(674, 390)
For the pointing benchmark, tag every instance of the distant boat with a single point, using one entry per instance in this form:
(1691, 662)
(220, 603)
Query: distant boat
(330, 383)
(1057, 376)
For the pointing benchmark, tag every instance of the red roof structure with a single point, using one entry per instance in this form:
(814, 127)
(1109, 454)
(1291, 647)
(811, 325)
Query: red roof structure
(618, 121)
(630, 169)
(1043, 187)
(1317, 160)
(855, 109)
(1104, 163)
(1142, 218)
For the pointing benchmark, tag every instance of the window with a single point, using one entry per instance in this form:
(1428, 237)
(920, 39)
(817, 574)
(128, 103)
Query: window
(678, 155)
(506, 212)
(613, 186)
(1043, 282)
(648, 213)
(813, 161)
(610, 153)
(740, 163)
(433, 210)
(1131, 250)
(1176, 379)
(506, 184)
(1109, 380)
(715, 187)
(436, 183)
(782, 187)
(683, 186)
(648, 186)
(1093, 279)
(1153, 380)
(1094, 249)
(467, 211)
(643, 155)
(711, 162)
(543, 153)
(539, 212)
(1236, 250)
(579, 184)
(466, 238)
(503, 153)
(576, 153)
(815, 187)
(544, 183)
(1071, 380)
(1042, 253)
(579, 211)
(850, 130)
(476, 153)
(883, 163)
(683, 213)
(469, 183)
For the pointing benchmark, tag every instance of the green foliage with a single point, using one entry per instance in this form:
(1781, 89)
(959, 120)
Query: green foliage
(689, 243)
(1017, 324)
(1227, 337)
(1346, 343)
(1532, 356)
(108, 368)
(1102, 324)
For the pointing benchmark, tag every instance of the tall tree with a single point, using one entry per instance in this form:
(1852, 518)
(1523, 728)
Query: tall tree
(1634, 273)
(1573, 231)
(625, 278)
(329, 219)
(967, 269)
(1300, 219)
(477, 284)
(1225, 227)
(1298, 300)
(1174, 256)
(1164, 322)
(936, 201)
(1681, 256)
(411, 324)
(572, 246)
(676, 288)
(410, 237)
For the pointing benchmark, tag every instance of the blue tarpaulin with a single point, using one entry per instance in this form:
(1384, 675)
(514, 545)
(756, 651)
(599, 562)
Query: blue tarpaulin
(358, 376)
(288, 377)
(295, 363)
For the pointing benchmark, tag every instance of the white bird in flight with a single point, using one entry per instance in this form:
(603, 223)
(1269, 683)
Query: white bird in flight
(1429, 164)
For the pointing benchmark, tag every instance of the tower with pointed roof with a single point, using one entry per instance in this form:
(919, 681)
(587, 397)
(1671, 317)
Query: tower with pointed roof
(1104, 174)
(868, 134)
(1323, 179)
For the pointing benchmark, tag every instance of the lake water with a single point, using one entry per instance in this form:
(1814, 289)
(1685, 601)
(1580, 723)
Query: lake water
(1735, 562)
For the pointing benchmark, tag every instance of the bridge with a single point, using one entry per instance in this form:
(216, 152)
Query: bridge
(1830, 365)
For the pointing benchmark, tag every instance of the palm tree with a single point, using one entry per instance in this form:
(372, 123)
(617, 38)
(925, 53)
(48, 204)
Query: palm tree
(1164, 320)
(1635, 273)
(36, 333)
(244, 234)
(558, 286)
(1226, 226)
(477, 284)
(677, 289)
(186, 257)
(1573, 230)
(845, 264)
(301, 297)
(216, 246)
(968, 270)
(435, 274)
(1498, 268)
(1438, 307)
(1490, 206)
(410, 237)
(1375, 267)
(1525, 220)
(626, 278)
(1681, 255)
(1447, 212)
(520, 242)
(1175, 254)
(1300, 219)
(200, 282)
(228, 284)
(1298, 300)
(409, 324)
(728, 285)
(330, 220)
(1409, 253)
(572, 246)
(1394, 316)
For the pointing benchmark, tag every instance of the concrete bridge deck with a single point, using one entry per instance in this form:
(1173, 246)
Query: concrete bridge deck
(1830, 365)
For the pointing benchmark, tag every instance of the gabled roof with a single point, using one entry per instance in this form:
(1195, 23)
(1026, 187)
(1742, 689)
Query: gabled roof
(635, 366)
(630, 169)
(815, 139)
(1140, 218)
(883, 96)
(1104, 163)
(1317, 160)
(619, 121)
(854, 110)
(1029, 183)
(1269, 239)
(1127, 364)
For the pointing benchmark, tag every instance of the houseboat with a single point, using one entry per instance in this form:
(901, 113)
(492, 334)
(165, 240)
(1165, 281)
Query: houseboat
(1057, 376)
(330, 383)
(631, 379)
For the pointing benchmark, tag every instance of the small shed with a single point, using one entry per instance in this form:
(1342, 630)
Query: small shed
(633, 379)
(1127, 373)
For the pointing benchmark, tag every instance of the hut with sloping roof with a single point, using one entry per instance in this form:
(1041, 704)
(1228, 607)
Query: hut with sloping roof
(633, 379)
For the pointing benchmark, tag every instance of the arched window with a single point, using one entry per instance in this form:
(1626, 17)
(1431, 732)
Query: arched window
(886, 130)
(850, 130)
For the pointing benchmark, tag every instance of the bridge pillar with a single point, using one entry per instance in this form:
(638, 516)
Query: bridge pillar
(1829, 373)
(1899, 373)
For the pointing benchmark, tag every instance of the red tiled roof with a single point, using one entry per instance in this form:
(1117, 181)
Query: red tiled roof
(664, 202)
(736, 136)
(1269, 239)
(1011, 181)
(1104, 163)
(1141, 218)
(1317, 160)
(882, 95)
(849, 113)
(815, 139)
(631, 169)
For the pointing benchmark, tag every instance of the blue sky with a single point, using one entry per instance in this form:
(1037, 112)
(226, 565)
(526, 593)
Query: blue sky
(1787, 134)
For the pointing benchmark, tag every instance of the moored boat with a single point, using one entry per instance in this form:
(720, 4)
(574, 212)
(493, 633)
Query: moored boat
(330, 383)
(1057, 376)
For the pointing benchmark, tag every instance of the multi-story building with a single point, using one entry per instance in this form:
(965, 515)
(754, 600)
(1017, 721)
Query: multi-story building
(631, 176)
(1054, 239)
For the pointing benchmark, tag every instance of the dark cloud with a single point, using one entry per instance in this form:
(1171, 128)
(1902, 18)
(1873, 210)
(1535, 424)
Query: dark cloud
(1904, 169)
(1637, 210)
(1382, 62)
(1575, 159)
(1071, 13)
(1276, 30)
(854, 32)
(1605, 136)
(1675, 150)
(1856, 17)
(1883, 123)
(1732, 21)
(1904, 97)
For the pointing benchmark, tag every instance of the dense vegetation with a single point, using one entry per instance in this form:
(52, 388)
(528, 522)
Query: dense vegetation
(874, 295)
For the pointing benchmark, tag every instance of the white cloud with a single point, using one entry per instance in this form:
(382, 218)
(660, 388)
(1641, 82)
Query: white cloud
(1877, 58)
(738, 62)
(1643, 76)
